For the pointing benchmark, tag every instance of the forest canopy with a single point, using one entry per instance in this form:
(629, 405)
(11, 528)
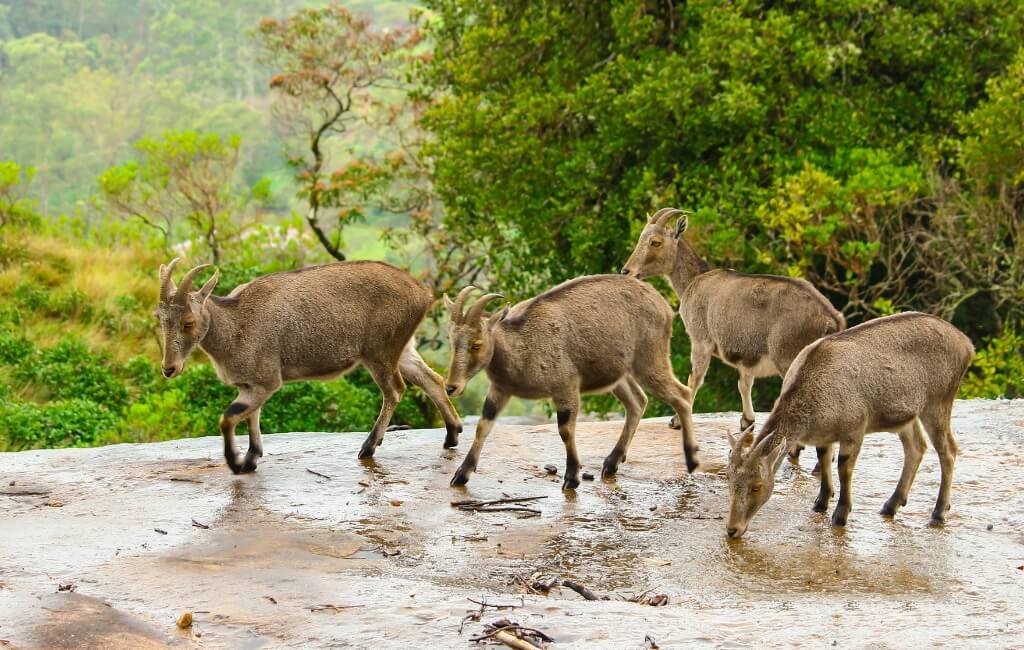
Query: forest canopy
(874, 147)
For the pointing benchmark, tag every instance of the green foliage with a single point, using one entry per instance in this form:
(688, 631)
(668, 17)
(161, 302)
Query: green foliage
(63, 423)
(69, 370)
(998, 369)
(559, 126)
(185, 185)
(14, 348)
(15, 209)
(993, 151)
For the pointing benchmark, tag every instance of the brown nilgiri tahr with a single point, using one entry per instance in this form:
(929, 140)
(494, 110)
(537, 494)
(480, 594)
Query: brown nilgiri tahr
(595, 334)
(754, 323)
(314, 323)
(899, 373)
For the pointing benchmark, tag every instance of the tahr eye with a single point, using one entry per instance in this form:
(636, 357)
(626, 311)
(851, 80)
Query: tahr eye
(755, 488)
(475, 347)
(655, 243)
(188, 326)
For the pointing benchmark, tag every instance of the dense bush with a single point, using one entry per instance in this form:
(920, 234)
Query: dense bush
(998, 367)
(69, 370)
(62, 423)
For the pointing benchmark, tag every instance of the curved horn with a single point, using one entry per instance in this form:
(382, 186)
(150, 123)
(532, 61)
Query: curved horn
(663, 215)
(186, 284)
(460, 300)
(477, 310)
(167, 288)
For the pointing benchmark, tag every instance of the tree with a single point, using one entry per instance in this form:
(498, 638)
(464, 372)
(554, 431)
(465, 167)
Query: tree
(15, 208)
(329, 64)
(801, 133)
(182, 185)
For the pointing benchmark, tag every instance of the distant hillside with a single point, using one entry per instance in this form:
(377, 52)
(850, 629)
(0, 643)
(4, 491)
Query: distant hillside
(81, 80)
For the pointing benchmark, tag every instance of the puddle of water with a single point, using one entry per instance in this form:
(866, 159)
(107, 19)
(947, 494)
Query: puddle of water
(376, 556)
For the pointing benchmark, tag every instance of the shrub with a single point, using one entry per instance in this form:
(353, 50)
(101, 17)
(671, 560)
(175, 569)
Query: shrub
(157, 416)
(66, 423)
(68, 370)
(14, 348)
(998, 369)
(31, 296)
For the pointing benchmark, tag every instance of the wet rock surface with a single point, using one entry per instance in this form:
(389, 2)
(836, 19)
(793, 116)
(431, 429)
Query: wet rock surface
(318, 549)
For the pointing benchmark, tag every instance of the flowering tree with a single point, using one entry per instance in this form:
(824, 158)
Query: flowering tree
(332, 68)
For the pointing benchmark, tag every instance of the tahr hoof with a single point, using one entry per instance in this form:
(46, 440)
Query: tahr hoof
(744, 423)
(839, 517)
(460, 479)
(890, 507)
(674, 423)
(570, 483)
(241, 465)
(366, 451)
(820, 505)
(692, 462)
(937, 520)
(452, 439)
(610, 467)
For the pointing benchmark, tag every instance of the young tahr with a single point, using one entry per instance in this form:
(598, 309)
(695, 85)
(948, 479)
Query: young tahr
(315, 323)
(595, 334)
(899, 373)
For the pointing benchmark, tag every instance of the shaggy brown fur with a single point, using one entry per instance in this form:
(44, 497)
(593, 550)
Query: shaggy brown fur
(754, 323)
(317, 323)
(603, 333)
(900, 373)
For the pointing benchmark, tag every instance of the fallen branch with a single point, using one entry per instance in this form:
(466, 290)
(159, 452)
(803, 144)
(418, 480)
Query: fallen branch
(332, 608)
(498, 505)
(512, 635)
(514, 642)
(484, 604)
(478, 503)
(319, 474)
(583, 591)
(24, 493)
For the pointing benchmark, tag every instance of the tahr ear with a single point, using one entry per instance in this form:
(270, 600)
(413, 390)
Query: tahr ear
(497, 317)
(681, 226)
(207, 289)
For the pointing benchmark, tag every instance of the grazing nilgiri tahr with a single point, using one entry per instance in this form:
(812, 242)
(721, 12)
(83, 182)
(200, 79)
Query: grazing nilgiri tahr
(754, 323)
(899, 373)
(593, 334)
(313, 323)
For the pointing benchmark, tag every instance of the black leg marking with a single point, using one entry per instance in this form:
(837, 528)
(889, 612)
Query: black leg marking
(490, 410)
(235, 409)
(563, 417)
(452, 437)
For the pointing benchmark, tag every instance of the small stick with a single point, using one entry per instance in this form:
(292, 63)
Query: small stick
(319, 474)
(182, 479)
(508, 509)
(199, 525)
(581, 590)
(510, 626)
(476, 503)
(514, 642)
(484, 604)
(24, 493)
(332, 608)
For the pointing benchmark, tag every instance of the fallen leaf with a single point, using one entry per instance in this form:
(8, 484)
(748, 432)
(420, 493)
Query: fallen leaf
(655, 561)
